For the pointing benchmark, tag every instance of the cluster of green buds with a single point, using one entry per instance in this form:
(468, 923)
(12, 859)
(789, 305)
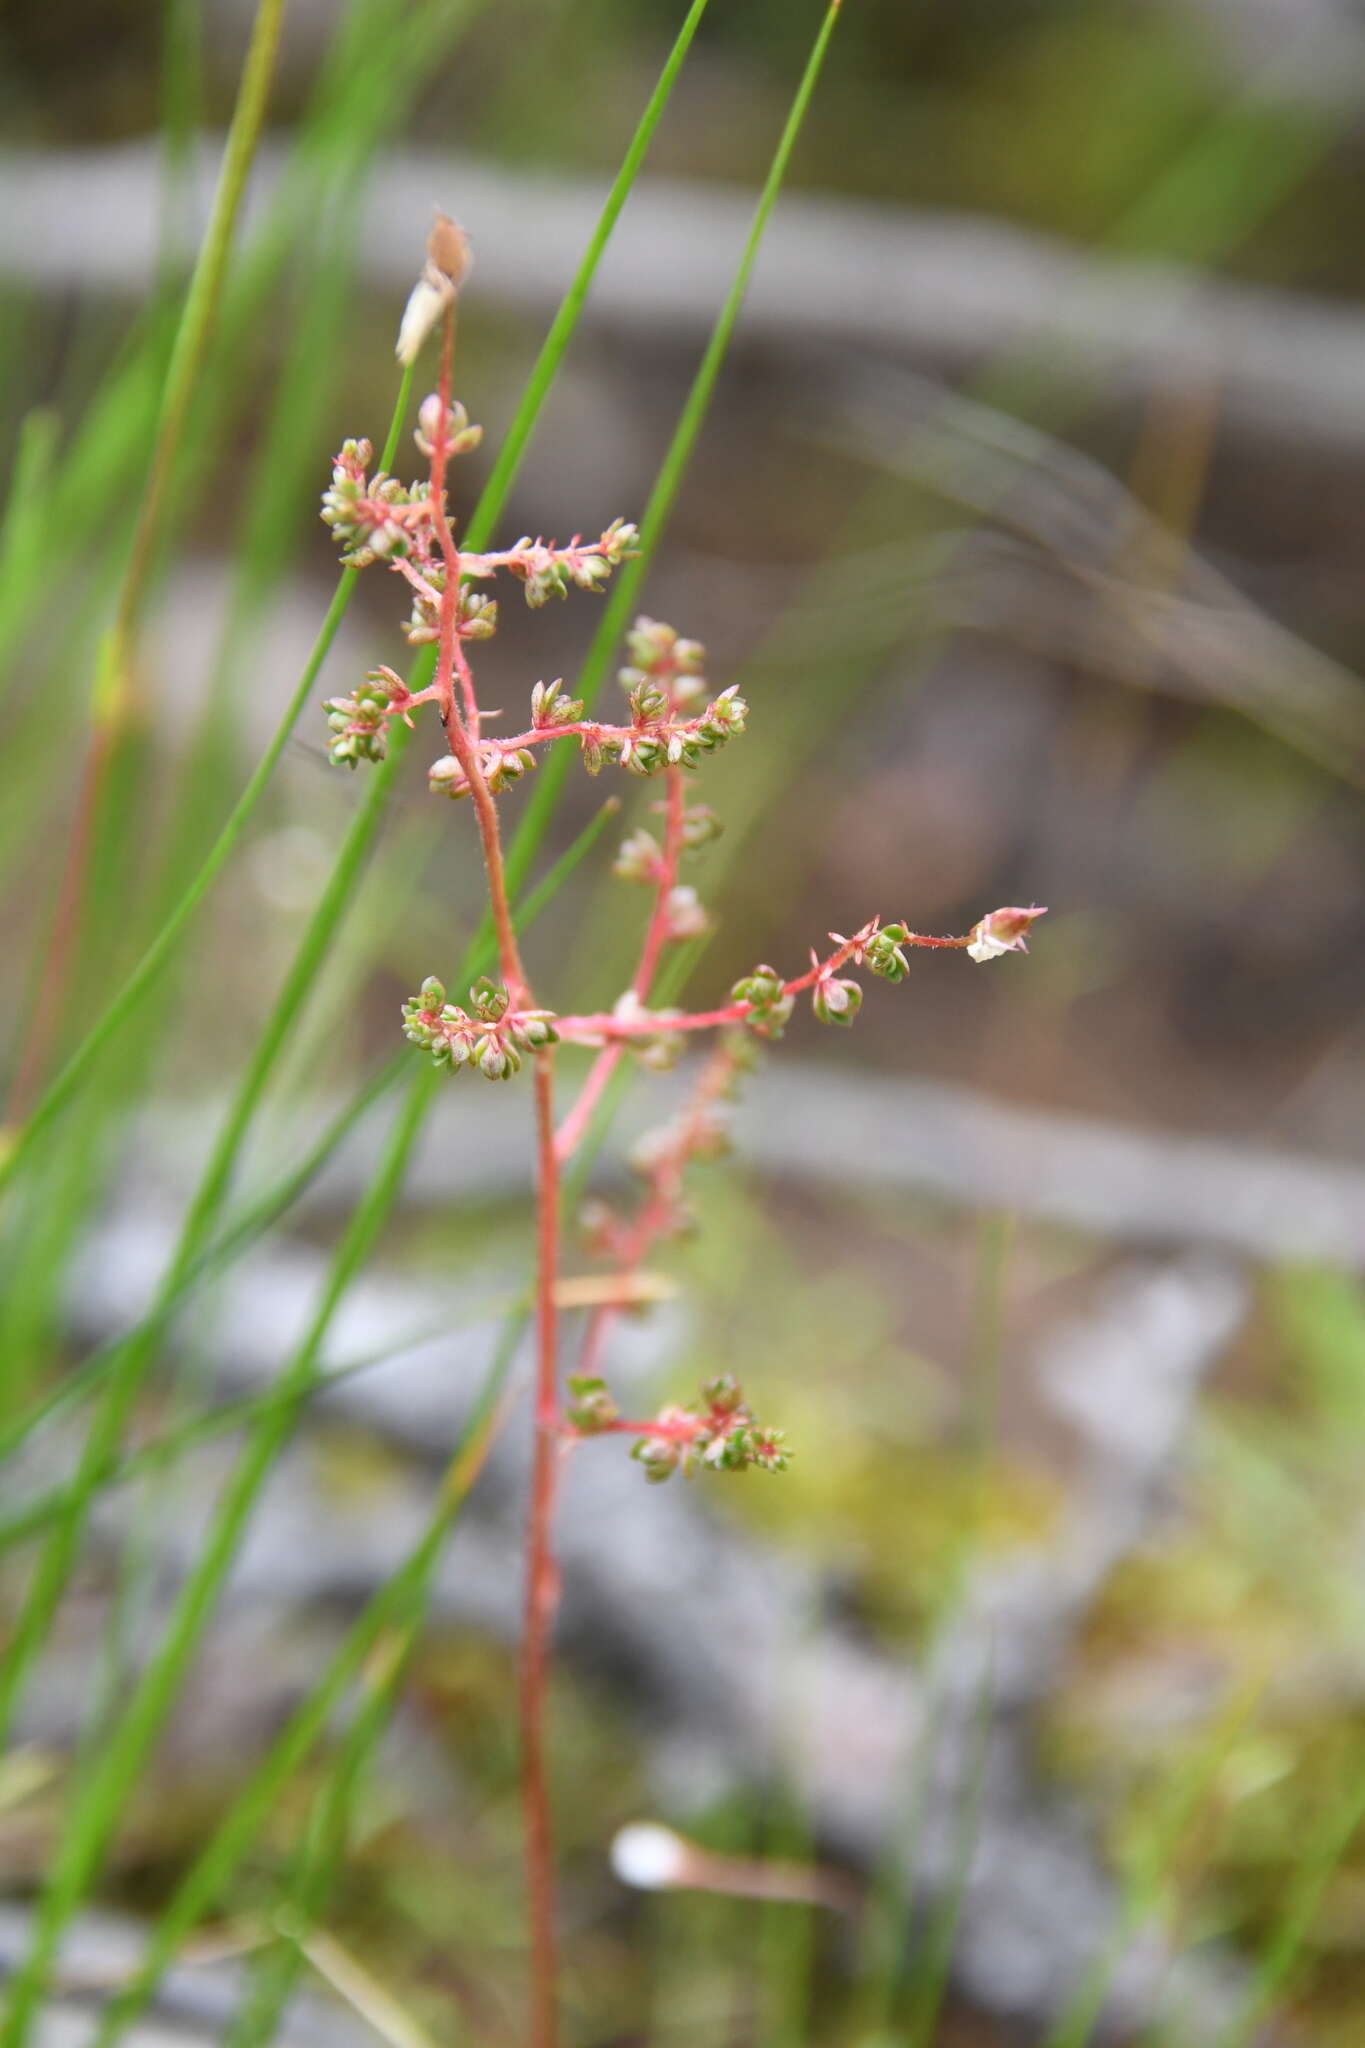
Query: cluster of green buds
(499, 766)
(698, 1134)
(360, 723)
(700, 827)
(460, 436)
(476, 616)
(721, 1434)
(372, 517)
(489, 1035)
(657, 741)
(547, 571)
(883, 952)
(661, 656)
(589, 1409)
(769, 1004)
(685, 914)
(550, 706)
(641, 858)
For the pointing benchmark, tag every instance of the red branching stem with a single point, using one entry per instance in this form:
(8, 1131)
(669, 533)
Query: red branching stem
(519, 559)
(574, 1127)
(659, 1209)
(451, 655)
(449, 660)
(680, 1429)
(606, 1024)
(541, 1580)
(656, 934)
(575, 1124)
(652, 1221)
(414, 576)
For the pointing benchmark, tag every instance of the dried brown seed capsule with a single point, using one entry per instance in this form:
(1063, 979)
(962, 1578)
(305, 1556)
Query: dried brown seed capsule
(448, 249)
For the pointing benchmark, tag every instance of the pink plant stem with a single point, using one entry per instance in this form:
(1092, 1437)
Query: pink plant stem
(542, 1581)
(606, 1024)
(574, 1127)
(575, 1124)
(449, 660)
(541, 1576)
(658, 1207)
(650, 1222)
(656, 936)
(451, 657)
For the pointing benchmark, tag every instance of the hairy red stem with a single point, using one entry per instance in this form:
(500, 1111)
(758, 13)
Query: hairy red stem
(575, 1125)
(541, 1576)
(450, 660)
(542, 1579)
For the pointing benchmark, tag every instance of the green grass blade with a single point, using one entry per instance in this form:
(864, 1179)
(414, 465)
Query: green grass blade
(1325, 1851)
(626, 585)
(546, 368)
(931, 1980)
(106, 1431)
(324, 1849)
(400, 1603)
(481, 523)
(278, 1198)
(104, 1793)
(122, 1006)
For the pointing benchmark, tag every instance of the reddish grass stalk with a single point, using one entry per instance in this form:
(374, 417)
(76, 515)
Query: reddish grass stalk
(541, 1575)
(542, 1579)
(658, 1208)
(575, 1125)
(450, 662)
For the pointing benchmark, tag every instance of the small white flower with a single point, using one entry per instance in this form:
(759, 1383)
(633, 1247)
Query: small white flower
(426, 303)
(686, 917)
(1003, 931)
(648, 1856)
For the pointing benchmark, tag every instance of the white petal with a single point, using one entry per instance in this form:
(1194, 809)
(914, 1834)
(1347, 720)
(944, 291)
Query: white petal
(426, 303)
(648, 1856)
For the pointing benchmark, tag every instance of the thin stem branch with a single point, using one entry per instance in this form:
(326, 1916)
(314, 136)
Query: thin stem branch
(575, 1124)
(450, 659)
(656, 936)
(659, 1208)
(111, 696)
(542, 1579)
(541, 1575)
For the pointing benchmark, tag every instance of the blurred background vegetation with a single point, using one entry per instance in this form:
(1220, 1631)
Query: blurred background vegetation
(1028, 513)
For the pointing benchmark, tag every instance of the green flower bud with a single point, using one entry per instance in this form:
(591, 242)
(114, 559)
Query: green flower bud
(639, 858)
(659, 1455)
(535, 1029)
(836, 1002)
(447, 778)
(722, 1395)
(590, 1408)
(478, 615)
(488, 1000)
(883, 954)
(498, 1060)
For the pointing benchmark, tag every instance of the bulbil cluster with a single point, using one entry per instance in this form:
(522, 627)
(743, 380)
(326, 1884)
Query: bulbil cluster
(489, 1036)
(675, 722)
(719, 1433)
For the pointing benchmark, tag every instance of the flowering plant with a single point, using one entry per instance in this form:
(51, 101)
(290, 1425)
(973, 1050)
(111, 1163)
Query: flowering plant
(675, 722)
